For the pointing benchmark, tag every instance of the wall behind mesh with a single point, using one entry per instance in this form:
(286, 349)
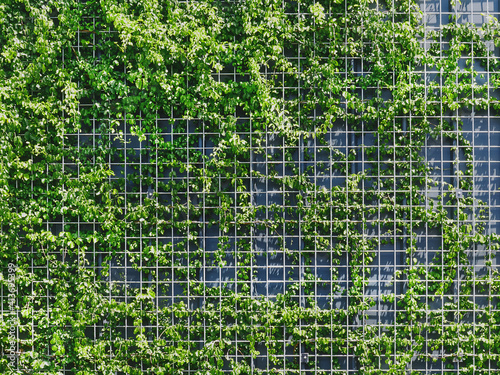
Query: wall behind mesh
(297, 187)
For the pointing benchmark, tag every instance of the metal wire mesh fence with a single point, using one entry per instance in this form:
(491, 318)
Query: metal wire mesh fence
(315, 212)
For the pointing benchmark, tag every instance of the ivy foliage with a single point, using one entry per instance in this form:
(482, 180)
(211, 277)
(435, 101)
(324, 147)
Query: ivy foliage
(134, 131)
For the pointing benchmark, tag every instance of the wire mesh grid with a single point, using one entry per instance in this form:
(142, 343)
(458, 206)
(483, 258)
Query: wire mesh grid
(194, 244)
(277, 225)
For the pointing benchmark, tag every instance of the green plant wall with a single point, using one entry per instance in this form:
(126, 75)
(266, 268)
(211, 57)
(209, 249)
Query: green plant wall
(131, 130)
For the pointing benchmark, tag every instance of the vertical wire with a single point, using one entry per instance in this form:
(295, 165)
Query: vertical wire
(155, 197)
(333, 282)
(489, 229)
(301, 168)
(441, 181)
(188, 227)
(203, 226)
(283, 197)
(378, 220)
(426, 192)
(346, 69)
(360, 149)
(394, 217)
(315, 179)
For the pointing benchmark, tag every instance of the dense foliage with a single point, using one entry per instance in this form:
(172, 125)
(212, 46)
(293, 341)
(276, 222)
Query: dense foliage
(131, 131)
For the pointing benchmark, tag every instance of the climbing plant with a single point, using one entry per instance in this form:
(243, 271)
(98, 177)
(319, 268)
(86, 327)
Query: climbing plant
(139, 137)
